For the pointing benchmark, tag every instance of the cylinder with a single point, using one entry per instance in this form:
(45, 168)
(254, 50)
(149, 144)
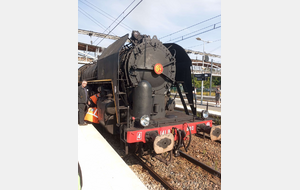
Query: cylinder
(142, 99)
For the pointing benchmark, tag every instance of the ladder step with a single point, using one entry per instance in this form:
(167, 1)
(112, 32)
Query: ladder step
(123, 140)
(121, 93)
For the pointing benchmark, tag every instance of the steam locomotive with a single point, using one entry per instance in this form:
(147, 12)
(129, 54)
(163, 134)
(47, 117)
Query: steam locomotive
(135, 80)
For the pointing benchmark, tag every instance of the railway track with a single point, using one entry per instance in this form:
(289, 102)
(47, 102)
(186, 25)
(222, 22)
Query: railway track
(169, 176)
(202, 165)
(154, 174)
(165, 184)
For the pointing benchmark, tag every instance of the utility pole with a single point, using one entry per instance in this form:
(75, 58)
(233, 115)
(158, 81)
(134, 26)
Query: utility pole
(202, 73)
(210, 77)
(202, 66)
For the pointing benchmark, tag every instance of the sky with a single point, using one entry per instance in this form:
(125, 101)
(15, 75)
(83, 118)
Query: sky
(171, 21)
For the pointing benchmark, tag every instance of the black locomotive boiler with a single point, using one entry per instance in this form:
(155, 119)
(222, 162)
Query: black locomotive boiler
(135, 102)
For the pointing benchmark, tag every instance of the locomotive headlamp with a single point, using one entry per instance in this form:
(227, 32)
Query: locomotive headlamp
(205, 114)
(158, 68)
(145, 120)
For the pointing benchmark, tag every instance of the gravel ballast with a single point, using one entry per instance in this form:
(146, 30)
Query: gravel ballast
(180, 173)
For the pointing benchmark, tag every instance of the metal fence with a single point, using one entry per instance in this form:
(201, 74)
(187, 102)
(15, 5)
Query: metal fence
(207, 70)
(205, 91)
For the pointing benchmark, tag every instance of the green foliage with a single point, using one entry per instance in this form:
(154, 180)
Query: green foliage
(217, 120)
(215, 81)
(206, 84)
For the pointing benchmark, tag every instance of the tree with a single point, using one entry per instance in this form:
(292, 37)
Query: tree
(195, 82)
(216, 80)
(206, 84)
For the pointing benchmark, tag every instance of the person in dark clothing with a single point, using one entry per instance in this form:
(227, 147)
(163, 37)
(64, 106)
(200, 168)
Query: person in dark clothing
(82, 102)
(218, 92)
(92, 102)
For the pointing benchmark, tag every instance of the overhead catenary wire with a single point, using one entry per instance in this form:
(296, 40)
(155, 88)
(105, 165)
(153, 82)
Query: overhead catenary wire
(98, 8)
(214, 49)
(115, 19)
(120, 21)
(214, 25)
(110, 17)
(190, 26)
(202, 44)
(91, 18)
(198, 34)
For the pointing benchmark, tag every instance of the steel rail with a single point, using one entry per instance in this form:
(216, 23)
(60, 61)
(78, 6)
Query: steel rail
(154, 174)
(196, 162)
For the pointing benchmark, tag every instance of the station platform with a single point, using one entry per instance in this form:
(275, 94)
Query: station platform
(101, 166)
(212, 110)
(206, 98)
(199, 110)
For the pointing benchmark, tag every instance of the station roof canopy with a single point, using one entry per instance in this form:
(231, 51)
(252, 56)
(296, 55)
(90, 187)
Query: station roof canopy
(206, 64)
(89, 47)
(112, 37)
